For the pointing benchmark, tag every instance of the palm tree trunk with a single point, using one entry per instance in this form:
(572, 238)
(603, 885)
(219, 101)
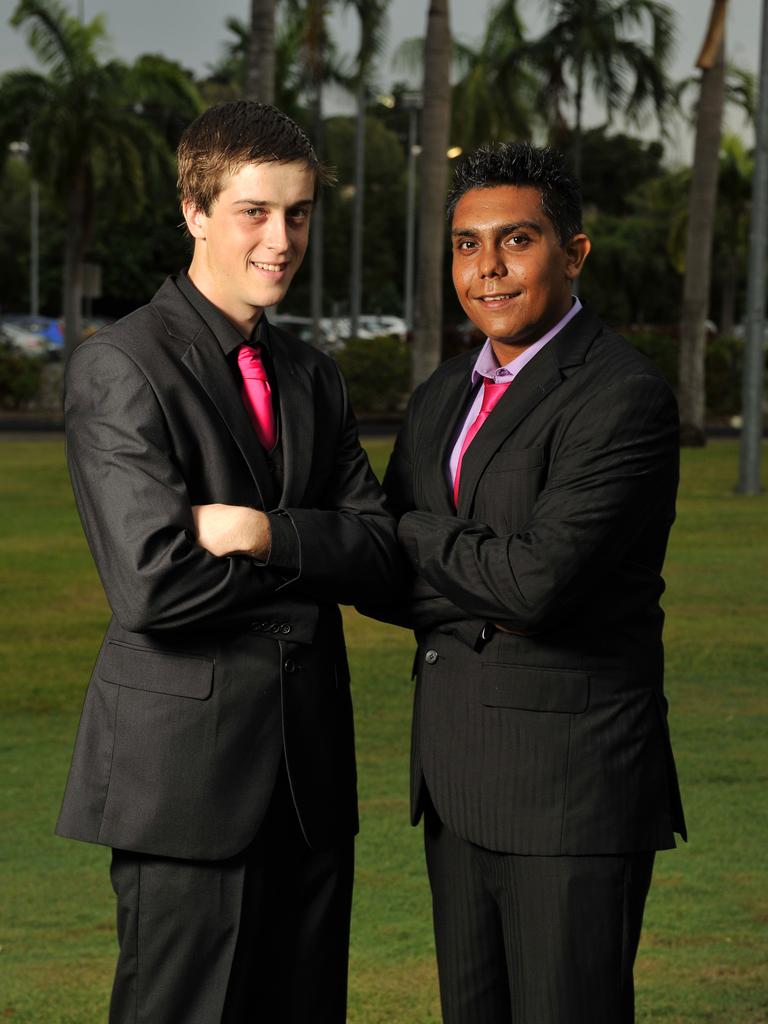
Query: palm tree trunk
(436, 116)
(698, 251)
(728, 295)
(260, 76)
(74, 254)
(358, 211)
(577, 128)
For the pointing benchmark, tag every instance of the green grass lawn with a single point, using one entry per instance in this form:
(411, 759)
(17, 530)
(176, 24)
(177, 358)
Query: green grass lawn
(704, 952)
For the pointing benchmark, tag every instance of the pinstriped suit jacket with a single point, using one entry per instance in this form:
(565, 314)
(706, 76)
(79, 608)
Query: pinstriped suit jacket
(550, 738)
(211, 668)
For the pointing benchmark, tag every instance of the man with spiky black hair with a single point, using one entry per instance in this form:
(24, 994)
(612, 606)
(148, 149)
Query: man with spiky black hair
(534, 481)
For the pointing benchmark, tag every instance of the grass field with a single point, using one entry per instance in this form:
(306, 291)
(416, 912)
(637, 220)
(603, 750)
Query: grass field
(704, 952)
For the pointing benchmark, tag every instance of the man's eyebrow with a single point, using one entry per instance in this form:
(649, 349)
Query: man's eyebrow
(500, 229)
(309, 201)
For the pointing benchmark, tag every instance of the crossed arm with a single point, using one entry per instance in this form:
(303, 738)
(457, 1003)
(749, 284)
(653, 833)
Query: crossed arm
(164, 564)
(615, 471)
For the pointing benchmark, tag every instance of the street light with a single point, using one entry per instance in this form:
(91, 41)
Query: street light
(411, 102)
(21, 149)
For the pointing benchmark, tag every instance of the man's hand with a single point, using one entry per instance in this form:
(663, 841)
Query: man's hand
(232, 530)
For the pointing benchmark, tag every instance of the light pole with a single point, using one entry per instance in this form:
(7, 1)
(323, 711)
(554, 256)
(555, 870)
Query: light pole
(411, 102)
(34, 248)
(21, 149)
(754, 355)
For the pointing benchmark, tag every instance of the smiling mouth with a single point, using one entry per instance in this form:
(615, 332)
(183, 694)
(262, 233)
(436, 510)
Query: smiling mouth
(497, 298)
(272, 268)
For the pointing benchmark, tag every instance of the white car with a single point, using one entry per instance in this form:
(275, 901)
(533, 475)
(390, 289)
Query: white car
(29, 342)
(369, 326)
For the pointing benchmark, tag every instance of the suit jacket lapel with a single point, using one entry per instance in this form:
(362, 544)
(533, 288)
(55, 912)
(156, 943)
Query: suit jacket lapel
(536, 380)
(297, 418)
(206, 362)
(442, 420)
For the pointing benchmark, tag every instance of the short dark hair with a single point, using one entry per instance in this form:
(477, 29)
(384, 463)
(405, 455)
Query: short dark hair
(229, 135)
(523, 165)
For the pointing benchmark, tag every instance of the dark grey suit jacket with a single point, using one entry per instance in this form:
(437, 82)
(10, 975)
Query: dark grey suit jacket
(212, 666)
(550, 739)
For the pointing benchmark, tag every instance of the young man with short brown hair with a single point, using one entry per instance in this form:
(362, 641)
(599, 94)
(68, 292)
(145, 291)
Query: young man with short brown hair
(229, 508)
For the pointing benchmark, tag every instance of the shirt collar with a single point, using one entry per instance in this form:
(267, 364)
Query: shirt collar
(486, 364)
(225, 332)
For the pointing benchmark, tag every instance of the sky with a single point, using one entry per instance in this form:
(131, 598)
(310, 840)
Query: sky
(193, 33)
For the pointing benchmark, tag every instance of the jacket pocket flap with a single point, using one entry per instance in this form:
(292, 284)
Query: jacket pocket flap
(141, 669)
(533, 689)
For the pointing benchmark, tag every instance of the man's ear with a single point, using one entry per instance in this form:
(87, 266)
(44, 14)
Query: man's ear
(577, 249)
(195, 219)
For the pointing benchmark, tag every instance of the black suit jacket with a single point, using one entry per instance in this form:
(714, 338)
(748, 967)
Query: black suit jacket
(211, 667)
(552, 738)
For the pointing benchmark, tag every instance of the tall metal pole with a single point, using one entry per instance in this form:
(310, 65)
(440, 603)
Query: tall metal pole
(413, 104)
(34, 248)
(754, 356)
(358, 214)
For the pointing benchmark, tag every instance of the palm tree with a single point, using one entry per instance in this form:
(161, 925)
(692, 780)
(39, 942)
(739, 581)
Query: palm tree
(86, 125)
(372, 17)
(586, 46)
(435, 125)
(494, 96)
(260, 79)
(495, 92)
(731, 227)
(702, 199)
(227, 77)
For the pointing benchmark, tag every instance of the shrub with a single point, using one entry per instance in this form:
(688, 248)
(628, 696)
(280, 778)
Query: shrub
(20, 378)
(724, 361)
(377, 372)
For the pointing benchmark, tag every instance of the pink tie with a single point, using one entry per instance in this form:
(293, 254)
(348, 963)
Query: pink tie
(492, 392)
(257, 394)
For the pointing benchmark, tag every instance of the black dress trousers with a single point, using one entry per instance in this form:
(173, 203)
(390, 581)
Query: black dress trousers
(261, 937)
(534, 940)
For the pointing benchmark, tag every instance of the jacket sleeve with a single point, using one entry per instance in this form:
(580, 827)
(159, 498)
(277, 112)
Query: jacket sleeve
(135, 508)
(613, 467)
(349, 551)
(417, 605)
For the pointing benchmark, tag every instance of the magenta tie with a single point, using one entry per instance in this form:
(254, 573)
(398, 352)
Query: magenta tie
(257, 394)
(492, 392)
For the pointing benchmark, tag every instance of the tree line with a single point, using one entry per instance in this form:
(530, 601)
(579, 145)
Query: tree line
(99, 135)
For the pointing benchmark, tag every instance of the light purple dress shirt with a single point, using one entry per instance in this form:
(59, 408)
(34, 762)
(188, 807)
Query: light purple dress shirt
(486, 365)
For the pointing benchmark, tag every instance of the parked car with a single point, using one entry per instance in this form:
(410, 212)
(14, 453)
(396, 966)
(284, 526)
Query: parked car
(392, 325)
(31, 343)
(301, 327)
(370, 325)
(35, 335)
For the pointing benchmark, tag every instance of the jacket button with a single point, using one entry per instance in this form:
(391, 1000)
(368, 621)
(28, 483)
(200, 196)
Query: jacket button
(289, 666)
(285, 627)
(431, 657)
(274, 627)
